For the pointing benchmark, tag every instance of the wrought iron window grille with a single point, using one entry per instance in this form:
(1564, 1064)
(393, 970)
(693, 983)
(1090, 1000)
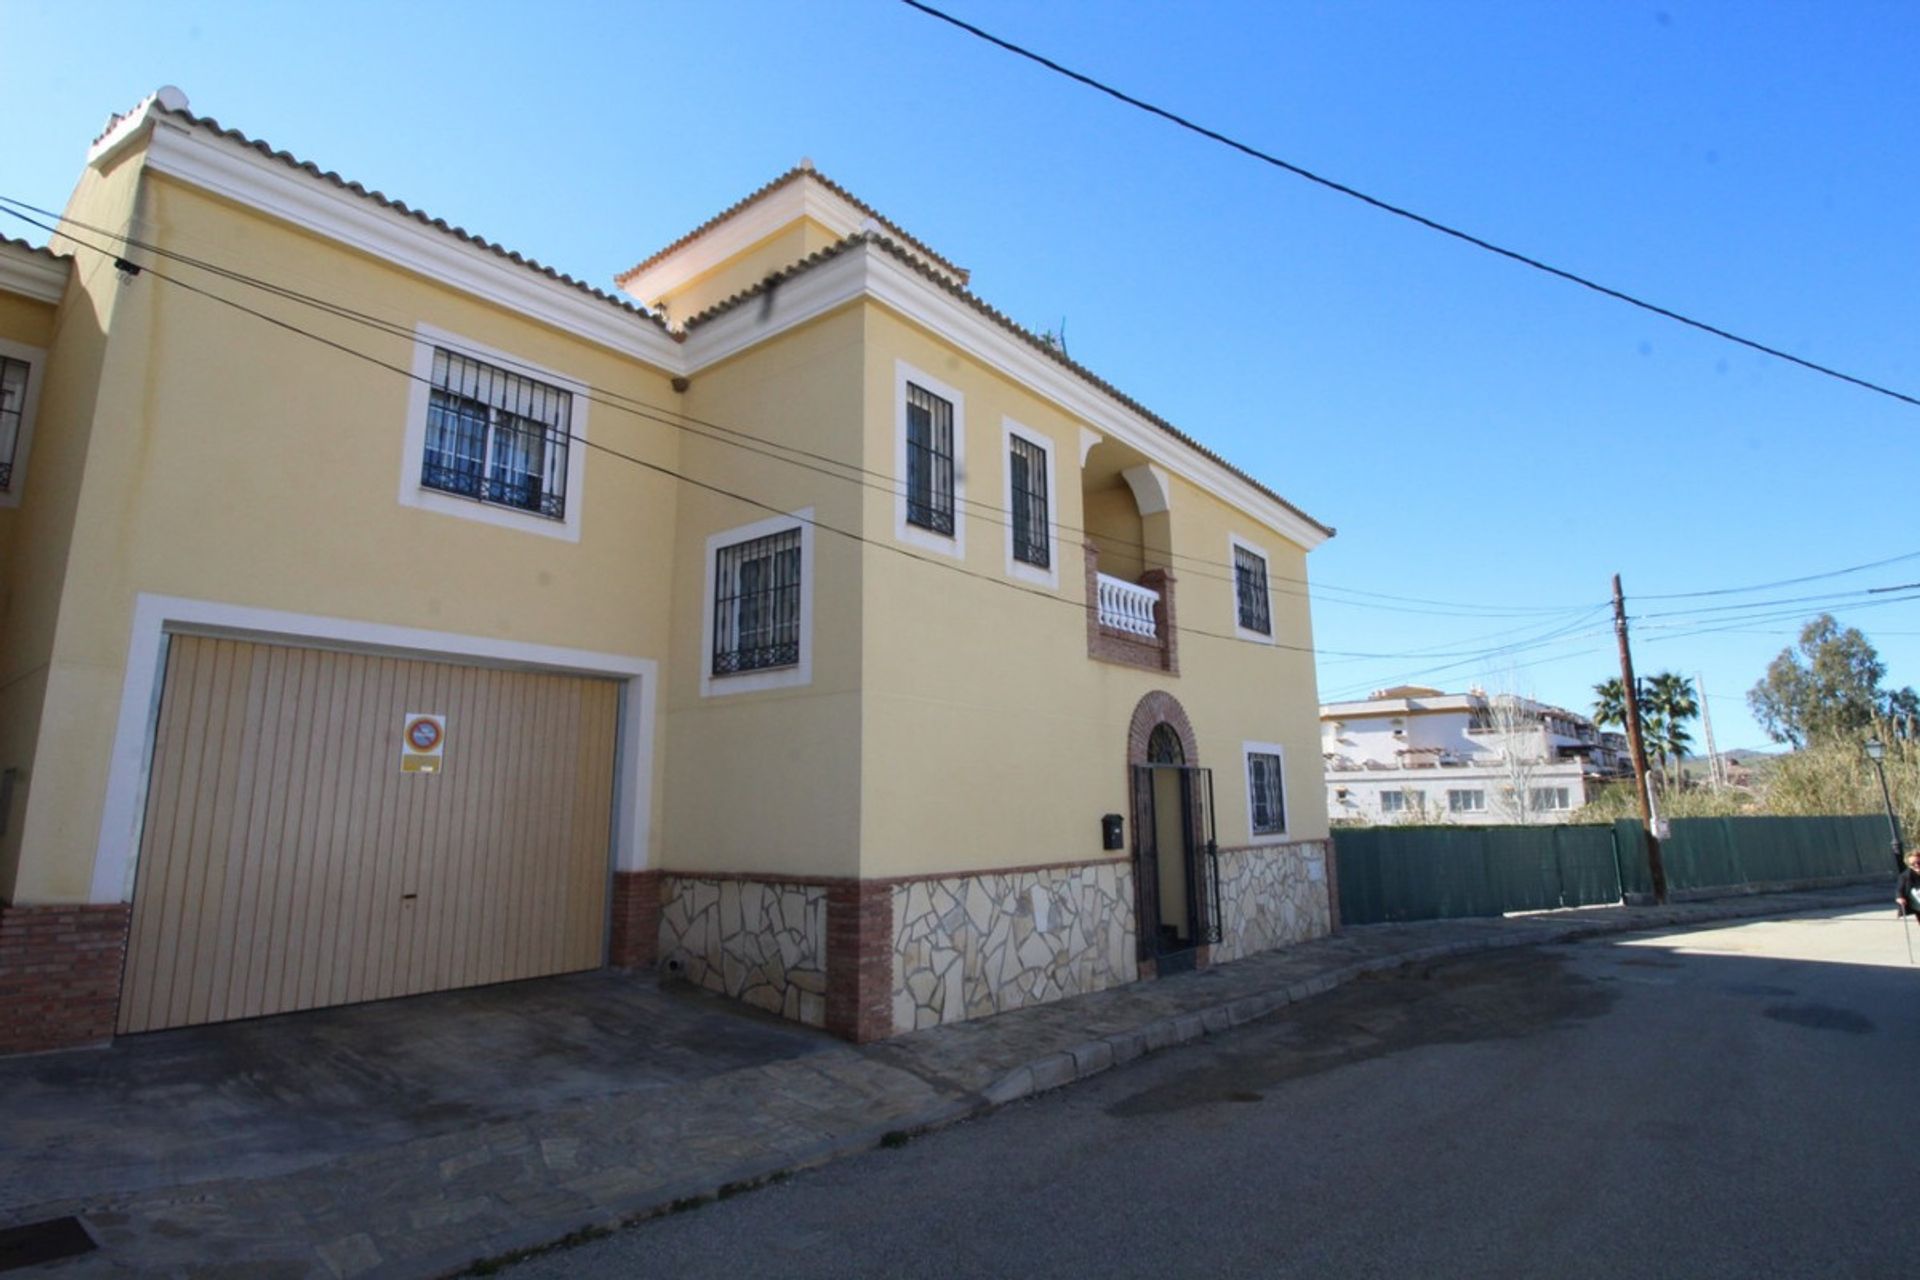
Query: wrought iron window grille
(1269, 797)
(1027, 479)
(929, 460)
(13, 408)
(756, 604)
(1250, 589)
(497, 437)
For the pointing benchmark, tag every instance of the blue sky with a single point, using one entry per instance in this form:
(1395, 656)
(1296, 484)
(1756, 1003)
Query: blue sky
(1483, 436)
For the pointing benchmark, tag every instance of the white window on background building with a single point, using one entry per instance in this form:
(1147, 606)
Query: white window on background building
(1550, 799)
(1393, 802)
(1466, 800)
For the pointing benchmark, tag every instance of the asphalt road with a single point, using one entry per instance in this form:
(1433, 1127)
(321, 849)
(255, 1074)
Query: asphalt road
(1733, 1101)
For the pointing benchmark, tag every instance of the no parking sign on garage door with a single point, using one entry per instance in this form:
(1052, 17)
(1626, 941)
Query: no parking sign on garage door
(423, 741)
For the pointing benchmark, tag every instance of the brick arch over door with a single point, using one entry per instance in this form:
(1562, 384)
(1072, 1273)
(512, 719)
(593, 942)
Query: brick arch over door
(1159, 708)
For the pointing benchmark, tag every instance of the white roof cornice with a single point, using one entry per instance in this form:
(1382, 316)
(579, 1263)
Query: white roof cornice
(227, 167)
(32, 273)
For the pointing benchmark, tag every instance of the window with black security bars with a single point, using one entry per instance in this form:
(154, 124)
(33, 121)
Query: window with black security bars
(13, 408)
(1027, 470)
(1269, 796)
(1250, 588)
(497, 437)
(756, 604)
(929, 460)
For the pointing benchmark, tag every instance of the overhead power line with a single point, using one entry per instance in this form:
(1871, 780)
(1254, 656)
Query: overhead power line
(779, 451)
(409, 375)
(1786, 582)
(1400, 211)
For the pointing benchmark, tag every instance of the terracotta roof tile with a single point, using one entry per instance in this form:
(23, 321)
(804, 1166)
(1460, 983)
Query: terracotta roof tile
(401, 207)
(790, 176)
(992, 313)
(41, 250)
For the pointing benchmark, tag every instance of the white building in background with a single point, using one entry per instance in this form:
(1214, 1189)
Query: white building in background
(1410, 754)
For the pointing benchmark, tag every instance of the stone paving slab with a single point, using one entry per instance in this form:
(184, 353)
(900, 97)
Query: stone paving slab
(435, 1205)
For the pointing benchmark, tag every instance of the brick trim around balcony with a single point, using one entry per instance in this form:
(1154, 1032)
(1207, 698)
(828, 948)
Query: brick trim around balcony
(60, 975)
(1106, 644)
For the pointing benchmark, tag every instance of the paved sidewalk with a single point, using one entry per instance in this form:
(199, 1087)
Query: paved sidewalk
(436, 1205)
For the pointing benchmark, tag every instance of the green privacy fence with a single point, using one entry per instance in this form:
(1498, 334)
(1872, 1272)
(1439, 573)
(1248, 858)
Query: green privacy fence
(1427, 873)
(1726, 853)
(1430, 873)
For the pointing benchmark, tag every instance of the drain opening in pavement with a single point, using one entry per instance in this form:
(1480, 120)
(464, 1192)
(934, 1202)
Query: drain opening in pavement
(33, 1243)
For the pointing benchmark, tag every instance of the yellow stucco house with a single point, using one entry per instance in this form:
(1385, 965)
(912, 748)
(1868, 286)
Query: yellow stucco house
(382, 612)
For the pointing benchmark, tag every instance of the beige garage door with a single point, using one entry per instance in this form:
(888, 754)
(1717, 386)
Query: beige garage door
(287, 862)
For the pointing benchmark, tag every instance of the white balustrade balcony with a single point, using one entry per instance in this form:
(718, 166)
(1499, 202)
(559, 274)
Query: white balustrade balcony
(1128, 607)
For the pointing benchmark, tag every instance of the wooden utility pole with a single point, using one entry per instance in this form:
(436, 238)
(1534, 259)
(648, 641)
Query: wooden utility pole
(1637, 745)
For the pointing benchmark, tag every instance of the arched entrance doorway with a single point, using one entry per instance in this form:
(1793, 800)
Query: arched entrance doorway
(1174, 852)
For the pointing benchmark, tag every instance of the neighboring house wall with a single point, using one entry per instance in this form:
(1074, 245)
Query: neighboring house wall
(1357, 796)
(77, 391)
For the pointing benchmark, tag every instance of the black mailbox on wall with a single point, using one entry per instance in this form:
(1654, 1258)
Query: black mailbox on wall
(1110, 836)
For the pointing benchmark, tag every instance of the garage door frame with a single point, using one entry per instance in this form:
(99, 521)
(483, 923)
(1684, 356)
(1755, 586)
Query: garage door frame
(156, 617)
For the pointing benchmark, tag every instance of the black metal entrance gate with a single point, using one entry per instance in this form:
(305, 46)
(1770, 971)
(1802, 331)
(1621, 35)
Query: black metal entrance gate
(1176, 863)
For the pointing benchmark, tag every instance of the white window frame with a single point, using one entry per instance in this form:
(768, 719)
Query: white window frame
(1466, 791)
(1237, 543)
(1048, 577)
(1247, 751)
(414, 494)
(912, 534)
(35, 358)
(1399, 799)
(1534, 793)
(801, 672)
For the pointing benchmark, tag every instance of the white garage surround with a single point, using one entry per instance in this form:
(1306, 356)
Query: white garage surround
(154, 616)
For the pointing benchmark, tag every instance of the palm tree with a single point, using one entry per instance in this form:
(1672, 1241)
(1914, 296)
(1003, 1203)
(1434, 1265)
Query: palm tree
(1670, 702)
(1610, 704)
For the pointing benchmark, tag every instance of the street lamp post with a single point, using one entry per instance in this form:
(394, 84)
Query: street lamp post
(1876, 752)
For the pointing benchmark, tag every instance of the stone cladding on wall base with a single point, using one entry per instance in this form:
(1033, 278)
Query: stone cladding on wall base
(633, 936)
(762, 942)
(968, 946)
(1273, 896)
(60, 975)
